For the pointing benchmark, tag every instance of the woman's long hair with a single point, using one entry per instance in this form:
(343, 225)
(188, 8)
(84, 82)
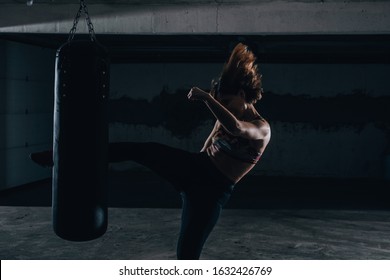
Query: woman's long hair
(240, 73)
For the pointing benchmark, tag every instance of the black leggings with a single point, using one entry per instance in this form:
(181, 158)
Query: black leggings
(204, 190)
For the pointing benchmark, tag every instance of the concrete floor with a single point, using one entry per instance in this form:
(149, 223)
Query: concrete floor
(151, 233)
(266, 218)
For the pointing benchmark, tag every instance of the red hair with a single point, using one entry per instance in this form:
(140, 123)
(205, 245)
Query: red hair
(241, 73)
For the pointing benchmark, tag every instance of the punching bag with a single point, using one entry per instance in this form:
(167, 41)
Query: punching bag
(80, 140)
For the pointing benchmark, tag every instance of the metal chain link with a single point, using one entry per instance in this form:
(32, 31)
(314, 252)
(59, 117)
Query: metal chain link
(89, 22)
(72, 32)
(75, 22)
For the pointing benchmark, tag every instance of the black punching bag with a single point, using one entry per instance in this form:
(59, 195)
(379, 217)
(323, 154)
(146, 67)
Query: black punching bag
(80, 141)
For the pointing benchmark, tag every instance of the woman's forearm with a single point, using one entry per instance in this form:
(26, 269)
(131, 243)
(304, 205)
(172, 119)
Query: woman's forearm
(224, 116)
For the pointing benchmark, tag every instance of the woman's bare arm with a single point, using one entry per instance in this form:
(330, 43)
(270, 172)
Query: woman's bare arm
(209, 140)
(257, 129)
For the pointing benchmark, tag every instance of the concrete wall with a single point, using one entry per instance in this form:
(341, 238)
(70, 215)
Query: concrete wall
(326, 141)
(323, 116)
(2, 110)
(26, 98)
(302, 145)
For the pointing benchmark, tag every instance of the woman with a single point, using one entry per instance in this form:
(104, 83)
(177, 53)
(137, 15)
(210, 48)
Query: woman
(206, 179)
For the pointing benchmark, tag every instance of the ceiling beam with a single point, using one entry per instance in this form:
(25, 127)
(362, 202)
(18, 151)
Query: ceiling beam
(216, 48)
(263, 17)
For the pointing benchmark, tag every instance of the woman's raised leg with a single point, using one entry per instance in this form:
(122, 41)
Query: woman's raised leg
(174, 165)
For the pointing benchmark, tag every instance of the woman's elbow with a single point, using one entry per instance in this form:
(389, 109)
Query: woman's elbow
(236, 130)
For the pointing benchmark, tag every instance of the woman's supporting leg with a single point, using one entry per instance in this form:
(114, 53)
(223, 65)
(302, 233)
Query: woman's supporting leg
(199, 216)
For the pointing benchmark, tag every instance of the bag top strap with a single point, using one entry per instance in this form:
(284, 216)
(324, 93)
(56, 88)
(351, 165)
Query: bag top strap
(82, 8)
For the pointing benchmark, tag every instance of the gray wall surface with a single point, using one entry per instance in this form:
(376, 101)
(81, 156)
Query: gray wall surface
(329, 142)
(26, 98)
(322, 115)
(327, 119)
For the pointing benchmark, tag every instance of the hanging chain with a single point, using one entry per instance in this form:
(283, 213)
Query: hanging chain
(75, 22)
(83, 8)
(89, 22)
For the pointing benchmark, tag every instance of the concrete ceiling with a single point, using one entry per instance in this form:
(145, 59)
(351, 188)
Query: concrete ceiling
(200, 16)
(294, 31)
(145, 2)
(30, 12)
